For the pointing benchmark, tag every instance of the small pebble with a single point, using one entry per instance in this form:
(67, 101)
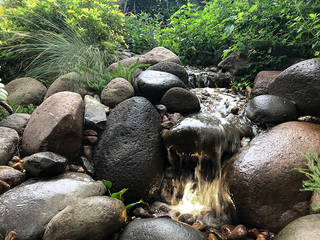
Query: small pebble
(18, 165)
(141, 212)
(15, 159)
(90, 132)
(260, 237)
(76, 168)
(227, 229)
(11, 236)
(235, 110)
(200, 227)
(164, 132)
(167, 124)
(239, 232)
(187, 218)
(4, 186)
(212, 237)
(92, 140)
(87, 151)
(162, 109)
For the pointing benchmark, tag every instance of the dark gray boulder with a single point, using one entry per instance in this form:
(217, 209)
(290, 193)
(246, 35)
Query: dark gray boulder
(173, 68)
(304, 228)
(27, 208)
(16, 121)
(45, 164)
(160, 229)
(301, 84)
(153, 84)
(180, 100)
(129, 153)
(270, 109)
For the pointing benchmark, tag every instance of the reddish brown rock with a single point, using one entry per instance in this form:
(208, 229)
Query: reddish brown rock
(262, 81)
(55, 126)
(4, 186)
(263, 179)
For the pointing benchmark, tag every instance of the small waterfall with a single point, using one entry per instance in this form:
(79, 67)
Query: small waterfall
(203, 79)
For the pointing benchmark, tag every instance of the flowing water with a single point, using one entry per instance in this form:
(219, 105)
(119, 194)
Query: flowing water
(197, 148)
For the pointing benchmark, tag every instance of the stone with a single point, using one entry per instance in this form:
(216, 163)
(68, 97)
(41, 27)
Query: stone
(4, 186)
(153, 84)
(262, 81)
(160, 229)
(180, 100)
(304, 228)
(88, 165)
(9, 140)
(173, 68)
(16, 121)
(202, 79)
(129, 152)
(62, 84)
(234, 63)
(25, 91)
(94, 218)
(270, 109)
(45, 164)
(55, 126)
(94, 114)
(315, 201)
(92, 140)
(262, 178)
(118, 90)
(300, 83)
(11, 176)
(27, 208)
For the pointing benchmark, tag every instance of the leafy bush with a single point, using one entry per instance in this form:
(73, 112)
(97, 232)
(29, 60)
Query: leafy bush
(3, 93)
(11, 107)
(312, 172)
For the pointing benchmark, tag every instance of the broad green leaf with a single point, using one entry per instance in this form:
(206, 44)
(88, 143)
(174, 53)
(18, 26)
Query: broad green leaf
(107, 184)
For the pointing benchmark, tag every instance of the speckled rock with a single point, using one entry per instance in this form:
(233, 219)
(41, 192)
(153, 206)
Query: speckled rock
(160, 229)
(270, 109)
(16, 121)
(263, 179)
(304, 228)
(262, 81)
(94, 218)
(173, 68)
(153, 84)
(180, 100)
(55, 126)
(300, 83)
(47, 197)
(118, 90)
(25, 91)
(9, 140)
(129, 152)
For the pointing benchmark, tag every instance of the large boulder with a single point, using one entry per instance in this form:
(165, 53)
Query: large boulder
(129, 153)
(173, 68)
(270, 109)
(27, 208)
(118, 90)
(55, 126)
(300, 83)
(160, 229)
(153, 84)
(262, 81)
(304, 228)
(263, 178)
(94, 218)
(9, 140)
(72, 82)
(180, 100)
(16, 121)
(25, 91)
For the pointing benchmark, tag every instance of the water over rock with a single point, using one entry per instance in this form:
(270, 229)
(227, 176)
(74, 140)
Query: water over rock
(160, 229)
(263, 179)
(129, 152)
(9, 140)
(203, 79)
(27, 208)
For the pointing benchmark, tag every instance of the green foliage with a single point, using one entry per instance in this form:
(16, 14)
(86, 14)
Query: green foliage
(3, 93)
(16, 108)
(312, 172)
(119, 195)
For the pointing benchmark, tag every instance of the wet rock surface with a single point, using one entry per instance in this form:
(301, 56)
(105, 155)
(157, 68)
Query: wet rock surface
(11, 176)
(270, 109)
(94, 218)
(304, 228)
(153, 84)
(173, 68)
(129, 153)
(262, 81)
(203, 79)
(160, 229)
(37, 201)
(263, 181)
(56, 126)
(16, 121)
(300, 83)
(9, 139)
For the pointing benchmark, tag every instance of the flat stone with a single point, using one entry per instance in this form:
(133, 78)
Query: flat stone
(16, 121)
(9, 140)
(94, 113)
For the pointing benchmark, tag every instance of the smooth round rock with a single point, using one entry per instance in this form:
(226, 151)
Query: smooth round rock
(153, 84)
(160, 229)
(11, 176)
(55, 126)
(304, 228)
(94, 218)
(9, 140)
(27, 208)
(160, 54)
(25, 91)
(44, 164)
(300, 83)
(263, 179)
(180, 100)
(16, 121)
(173, 68)
(129, 152)
(118, 90)
(262, 81)
(270, 109)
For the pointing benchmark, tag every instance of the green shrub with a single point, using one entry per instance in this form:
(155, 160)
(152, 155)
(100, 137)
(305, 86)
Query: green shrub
(312, 172)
